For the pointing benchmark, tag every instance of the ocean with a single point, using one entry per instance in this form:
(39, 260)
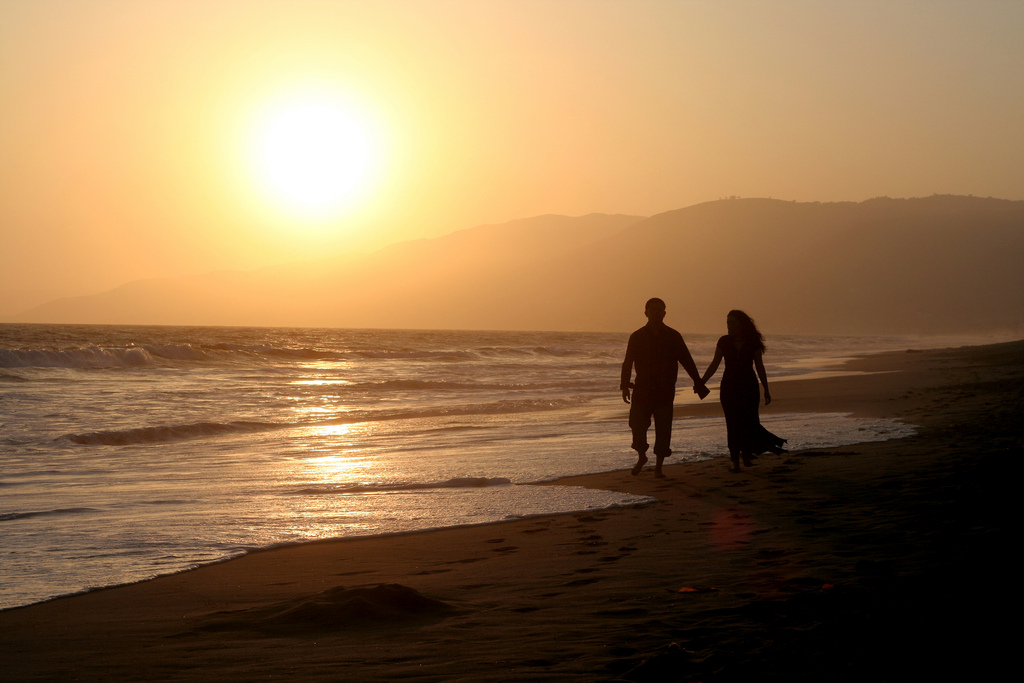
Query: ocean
(130, 452)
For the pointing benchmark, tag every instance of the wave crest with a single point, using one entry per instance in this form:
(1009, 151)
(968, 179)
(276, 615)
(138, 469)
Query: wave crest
(163, 434)
(455, 483)
(10, 516)
(97, 357)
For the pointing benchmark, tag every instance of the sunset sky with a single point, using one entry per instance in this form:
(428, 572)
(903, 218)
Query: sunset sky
(145, 139)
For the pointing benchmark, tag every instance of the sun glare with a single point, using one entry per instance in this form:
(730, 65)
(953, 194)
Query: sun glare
(314, 156)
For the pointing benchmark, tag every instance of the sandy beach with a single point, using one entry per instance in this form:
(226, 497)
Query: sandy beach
(878, 561)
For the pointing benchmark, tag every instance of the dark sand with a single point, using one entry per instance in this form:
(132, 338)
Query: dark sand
(886, 561)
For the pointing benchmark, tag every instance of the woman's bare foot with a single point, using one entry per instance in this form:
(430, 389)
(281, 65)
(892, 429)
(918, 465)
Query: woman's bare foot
(747, 462)
(640, 462)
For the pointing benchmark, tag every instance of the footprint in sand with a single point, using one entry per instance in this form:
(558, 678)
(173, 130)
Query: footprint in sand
(505, 549)
(625, 613)
(592, 518)
(594, 540)
(495, 540)
(582, 582)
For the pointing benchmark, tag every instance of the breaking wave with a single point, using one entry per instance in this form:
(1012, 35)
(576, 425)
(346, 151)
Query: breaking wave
(456, 483)
(10, 516)
(163, 434)
(98, 357)
(200, 430)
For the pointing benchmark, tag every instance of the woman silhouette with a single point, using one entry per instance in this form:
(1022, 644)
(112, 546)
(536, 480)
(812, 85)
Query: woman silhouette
(742, 349)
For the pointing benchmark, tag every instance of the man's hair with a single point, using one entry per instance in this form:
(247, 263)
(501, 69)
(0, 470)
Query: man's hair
(655, 301)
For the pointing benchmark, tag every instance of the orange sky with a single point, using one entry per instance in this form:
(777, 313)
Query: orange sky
(126, 128)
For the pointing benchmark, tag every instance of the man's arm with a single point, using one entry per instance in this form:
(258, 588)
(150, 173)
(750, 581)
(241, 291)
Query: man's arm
(686, 360)
(627, 372)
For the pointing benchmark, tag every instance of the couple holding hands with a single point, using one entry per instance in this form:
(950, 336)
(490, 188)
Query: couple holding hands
(655, 350)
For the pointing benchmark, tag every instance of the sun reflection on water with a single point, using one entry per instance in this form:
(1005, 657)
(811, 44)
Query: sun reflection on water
(333, 468)
(320, 382)
(334, 451)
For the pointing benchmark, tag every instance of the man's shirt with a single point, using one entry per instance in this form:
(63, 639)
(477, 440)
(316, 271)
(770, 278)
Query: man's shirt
(655, 352)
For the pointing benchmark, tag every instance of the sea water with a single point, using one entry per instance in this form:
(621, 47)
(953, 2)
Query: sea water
(129, 452)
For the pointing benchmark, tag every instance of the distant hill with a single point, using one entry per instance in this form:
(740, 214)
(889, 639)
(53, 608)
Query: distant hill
(941, 264)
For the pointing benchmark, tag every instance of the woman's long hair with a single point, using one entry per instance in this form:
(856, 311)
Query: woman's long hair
(748, 332)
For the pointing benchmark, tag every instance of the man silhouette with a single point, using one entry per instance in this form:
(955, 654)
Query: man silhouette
(655, 349)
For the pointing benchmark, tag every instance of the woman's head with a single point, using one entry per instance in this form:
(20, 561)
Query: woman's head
(742, 326)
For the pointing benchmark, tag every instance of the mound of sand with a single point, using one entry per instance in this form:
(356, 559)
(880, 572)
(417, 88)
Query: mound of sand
(337, 609)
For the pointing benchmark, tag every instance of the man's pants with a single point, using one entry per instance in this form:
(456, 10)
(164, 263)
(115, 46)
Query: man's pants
(640, 413)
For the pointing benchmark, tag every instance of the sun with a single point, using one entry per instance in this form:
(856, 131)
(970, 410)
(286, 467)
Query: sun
(314, 156)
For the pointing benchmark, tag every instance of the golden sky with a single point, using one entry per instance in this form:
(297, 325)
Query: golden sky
(134, 136)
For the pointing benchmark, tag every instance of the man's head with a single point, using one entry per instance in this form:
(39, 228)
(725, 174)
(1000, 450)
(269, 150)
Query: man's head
(654, 309)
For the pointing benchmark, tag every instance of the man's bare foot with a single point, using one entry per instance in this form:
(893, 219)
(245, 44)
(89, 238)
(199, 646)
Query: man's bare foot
(734, 468)
(658, 474)
(747, 462)
(640, 462)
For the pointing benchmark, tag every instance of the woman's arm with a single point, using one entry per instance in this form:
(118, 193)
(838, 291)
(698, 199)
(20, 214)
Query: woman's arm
(763, 376)
(713, 368)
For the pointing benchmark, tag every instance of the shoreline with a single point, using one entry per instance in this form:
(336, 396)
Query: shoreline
(554, 480)
(852, 538)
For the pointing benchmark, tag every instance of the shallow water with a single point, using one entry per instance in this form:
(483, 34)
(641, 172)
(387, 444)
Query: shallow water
(127, 452)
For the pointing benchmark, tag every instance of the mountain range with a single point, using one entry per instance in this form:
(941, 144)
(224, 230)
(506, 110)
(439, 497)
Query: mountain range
(939, 264)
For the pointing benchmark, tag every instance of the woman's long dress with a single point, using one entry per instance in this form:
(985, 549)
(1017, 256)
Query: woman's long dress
(741, 395)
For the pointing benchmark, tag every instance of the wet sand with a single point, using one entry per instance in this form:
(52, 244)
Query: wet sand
(883, 561)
